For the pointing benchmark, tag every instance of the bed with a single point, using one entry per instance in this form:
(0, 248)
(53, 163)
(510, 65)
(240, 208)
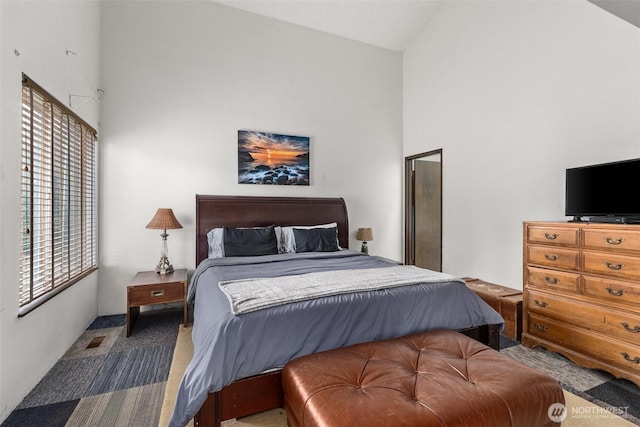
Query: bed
(236, 370)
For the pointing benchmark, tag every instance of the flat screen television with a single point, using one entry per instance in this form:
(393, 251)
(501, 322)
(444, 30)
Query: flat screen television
(608, 192)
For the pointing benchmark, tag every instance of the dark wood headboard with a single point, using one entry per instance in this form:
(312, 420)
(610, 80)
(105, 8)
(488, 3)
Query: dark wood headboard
(249, 211)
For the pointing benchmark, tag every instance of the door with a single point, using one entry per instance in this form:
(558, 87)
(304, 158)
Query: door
(423, 210)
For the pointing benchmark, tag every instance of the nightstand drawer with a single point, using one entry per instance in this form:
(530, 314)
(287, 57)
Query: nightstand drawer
(156, 294)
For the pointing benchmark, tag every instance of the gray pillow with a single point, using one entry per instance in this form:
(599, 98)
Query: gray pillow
(316, 239)
(250, 241)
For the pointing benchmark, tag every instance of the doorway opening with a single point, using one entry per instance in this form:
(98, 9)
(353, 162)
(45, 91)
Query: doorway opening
(423, 210)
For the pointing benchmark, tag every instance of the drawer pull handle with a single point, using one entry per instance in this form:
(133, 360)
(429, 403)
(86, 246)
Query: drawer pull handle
(617, 293)
(611, 241)
(551, 257)
(634, 330)
(551, 280)
(540, 327)
(553, 236)
(156, 294)
(628, 358)
(540, 304)
(611, 266)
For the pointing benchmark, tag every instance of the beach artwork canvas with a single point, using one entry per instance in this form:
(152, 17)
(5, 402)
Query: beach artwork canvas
(272, 159)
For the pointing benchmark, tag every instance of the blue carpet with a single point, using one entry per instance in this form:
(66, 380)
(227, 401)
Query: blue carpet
(132, 368)
(142, 360)
(67, 380)
(108, 321)
(53, 415)
(598, 387)
(624, 393)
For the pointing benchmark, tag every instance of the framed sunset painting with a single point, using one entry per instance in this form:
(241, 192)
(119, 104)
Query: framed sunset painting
(272, 159)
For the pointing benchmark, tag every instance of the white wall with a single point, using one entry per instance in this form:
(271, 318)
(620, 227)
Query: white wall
(40, 32)
(181, 78)
(514, 93)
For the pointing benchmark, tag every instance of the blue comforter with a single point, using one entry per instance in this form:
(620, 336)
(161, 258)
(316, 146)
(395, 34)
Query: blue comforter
(229, 347)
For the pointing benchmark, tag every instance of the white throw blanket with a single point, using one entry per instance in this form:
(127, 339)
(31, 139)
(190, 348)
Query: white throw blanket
(247, 295)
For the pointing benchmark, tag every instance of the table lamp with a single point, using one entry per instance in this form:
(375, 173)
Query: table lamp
(164, 219)
(365, 235)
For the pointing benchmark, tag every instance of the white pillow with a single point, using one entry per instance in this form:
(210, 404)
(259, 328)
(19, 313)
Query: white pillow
(288, 242)
(216, 243)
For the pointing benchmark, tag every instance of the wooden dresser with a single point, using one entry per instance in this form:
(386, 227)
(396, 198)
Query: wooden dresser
(582, 293)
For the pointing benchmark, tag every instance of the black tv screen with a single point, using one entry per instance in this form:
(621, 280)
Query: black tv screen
(609, 189)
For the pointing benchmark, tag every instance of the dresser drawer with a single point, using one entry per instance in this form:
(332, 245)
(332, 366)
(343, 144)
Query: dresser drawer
(612, 264)
(623, 325)
(613, 290)
(567, 259)
(622, 354)
(623, 240)
(616, 323)
(553, 279)
(553, 236)
(155, 294)
(571, 311)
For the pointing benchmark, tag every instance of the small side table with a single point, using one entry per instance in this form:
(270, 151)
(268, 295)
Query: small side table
(504, 300)
(149, 287)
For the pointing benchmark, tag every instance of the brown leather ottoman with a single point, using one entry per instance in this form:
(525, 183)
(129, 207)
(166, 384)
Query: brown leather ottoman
(436, 378)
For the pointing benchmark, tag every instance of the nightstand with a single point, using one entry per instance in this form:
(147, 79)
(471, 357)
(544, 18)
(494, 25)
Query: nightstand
(504, 300)
(149, 287)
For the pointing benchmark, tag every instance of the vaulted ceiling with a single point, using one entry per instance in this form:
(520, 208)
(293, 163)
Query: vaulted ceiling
(391, 24)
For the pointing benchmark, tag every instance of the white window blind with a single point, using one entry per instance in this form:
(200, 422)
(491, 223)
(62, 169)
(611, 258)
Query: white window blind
(59, 204)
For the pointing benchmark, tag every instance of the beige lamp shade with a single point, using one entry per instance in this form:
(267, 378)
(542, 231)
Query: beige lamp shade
(164, 219)
(364, 234)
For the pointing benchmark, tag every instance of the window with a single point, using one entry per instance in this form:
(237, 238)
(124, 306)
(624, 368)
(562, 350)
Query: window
(58, 198)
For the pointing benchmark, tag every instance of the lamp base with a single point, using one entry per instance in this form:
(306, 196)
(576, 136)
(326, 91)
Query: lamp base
(164, 266)
(364, 249)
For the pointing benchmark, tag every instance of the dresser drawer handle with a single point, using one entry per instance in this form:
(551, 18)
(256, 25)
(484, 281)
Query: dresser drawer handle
(551, 257)
(553, 236)
(634, 330)
(611, 241)
(551, 280)
(540, 304)
(628, 358)
(156, 294)
(540, 327)
(617, 293)
(611, 266)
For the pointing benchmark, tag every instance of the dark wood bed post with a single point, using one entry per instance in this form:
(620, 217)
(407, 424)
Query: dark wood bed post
(241, 398)
(263, 392)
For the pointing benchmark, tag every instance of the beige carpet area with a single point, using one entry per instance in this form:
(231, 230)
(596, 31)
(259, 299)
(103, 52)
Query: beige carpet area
(580, 412)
